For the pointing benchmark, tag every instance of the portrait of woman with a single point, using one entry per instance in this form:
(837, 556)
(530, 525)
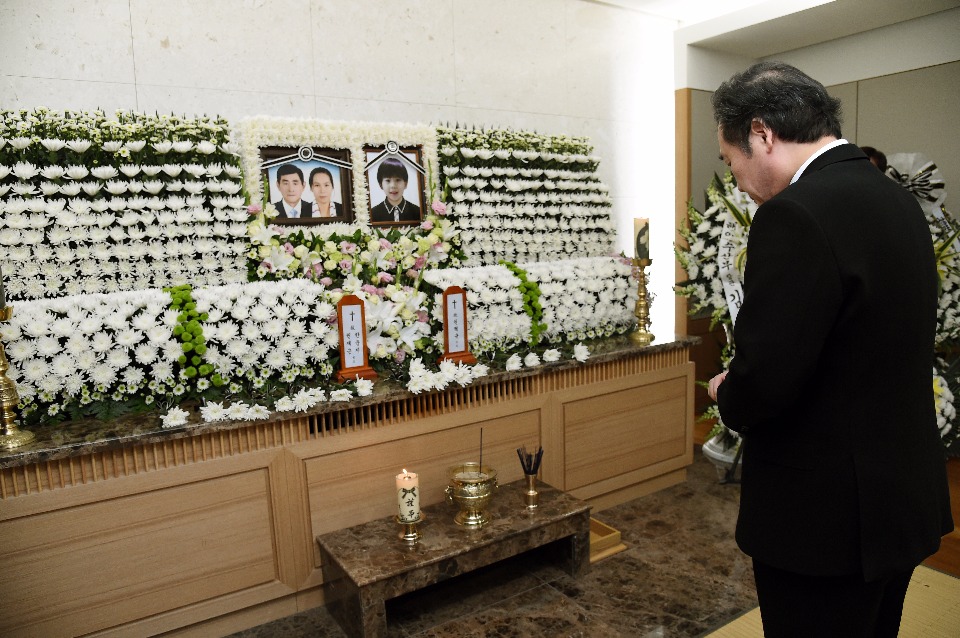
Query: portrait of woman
(323, 189)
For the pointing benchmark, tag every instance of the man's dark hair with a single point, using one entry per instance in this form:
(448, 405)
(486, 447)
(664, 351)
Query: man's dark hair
(796, 107)
(289, 169)
(392, 167)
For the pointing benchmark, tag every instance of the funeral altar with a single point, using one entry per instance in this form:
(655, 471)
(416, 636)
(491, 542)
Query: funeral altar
(225, 339)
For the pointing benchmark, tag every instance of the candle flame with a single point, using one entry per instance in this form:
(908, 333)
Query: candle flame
(404, 472)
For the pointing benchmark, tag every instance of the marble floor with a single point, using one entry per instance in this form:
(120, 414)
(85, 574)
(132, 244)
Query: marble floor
(681, 575)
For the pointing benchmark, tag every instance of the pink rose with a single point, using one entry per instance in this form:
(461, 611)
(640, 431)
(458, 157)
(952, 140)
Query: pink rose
(348, 247)
(399, 355)
(385, 243)
(254, 209)
(427, 225)
(288, 247)
(346, 265)
(326, 281)
(421, 260)
(439, 208)
(384, 277)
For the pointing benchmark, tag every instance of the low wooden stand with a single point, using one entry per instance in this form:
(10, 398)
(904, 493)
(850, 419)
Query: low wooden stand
(368, 564)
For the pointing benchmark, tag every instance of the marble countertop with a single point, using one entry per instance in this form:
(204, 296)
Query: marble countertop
(76, 438)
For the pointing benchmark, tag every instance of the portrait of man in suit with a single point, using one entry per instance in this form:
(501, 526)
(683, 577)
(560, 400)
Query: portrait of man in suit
(290, 184)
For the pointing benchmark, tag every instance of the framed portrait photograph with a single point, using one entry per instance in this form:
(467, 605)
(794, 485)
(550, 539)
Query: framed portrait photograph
(307, 185)
(395, 177)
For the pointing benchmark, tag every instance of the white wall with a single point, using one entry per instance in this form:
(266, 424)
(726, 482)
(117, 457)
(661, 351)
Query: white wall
(553, 66)
(914, 44)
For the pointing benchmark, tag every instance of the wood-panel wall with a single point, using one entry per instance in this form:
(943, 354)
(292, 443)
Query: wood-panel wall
(215, 533)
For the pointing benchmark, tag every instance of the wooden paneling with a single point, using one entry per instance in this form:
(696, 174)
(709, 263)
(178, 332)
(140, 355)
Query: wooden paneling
(196, 533)
(619, 432)
(79, 569)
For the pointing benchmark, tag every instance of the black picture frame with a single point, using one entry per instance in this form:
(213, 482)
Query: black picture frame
(411, 158)
(309, 160)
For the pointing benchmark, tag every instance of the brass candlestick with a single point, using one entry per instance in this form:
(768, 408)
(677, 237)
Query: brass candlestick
(642, 335)
(409, 533)
(9, 399)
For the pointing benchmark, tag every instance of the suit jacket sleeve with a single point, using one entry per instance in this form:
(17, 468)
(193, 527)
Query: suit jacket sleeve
(792, 294)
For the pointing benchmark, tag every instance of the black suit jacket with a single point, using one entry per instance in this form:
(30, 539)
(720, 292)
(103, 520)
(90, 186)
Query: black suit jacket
(411, 213)
(306, 208)
(831, 384)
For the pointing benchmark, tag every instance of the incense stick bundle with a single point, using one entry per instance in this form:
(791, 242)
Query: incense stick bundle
(530, 462)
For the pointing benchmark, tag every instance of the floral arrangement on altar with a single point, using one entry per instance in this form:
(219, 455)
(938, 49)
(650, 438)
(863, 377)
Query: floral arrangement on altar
(91, 204)
(149, 275)
(714, 258)
(523, 197)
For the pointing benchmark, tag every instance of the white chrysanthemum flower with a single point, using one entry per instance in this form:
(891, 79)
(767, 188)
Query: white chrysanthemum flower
(34, 370)
(118, 359)
(175, 417)
(133, 377)
(238, 411)
(551, 355)
(78, 146)
(63, 365)
(284, 404)
(102, 374)
(213, 412)
(514, 363)
(145, 354)
(258, 412)
(581, 352)
(343, 394)
(364, 387)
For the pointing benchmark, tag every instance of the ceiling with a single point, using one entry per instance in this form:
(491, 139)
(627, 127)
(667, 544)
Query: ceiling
(807, 27)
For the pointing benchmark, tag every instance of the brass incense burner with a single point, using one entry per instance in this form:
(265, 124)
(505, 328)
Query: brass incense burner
(471, 487)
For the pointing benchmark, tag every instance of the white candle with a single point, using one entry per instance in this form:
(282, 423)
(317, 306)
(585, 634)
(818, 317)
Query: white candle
(408, 497)
(641, 235)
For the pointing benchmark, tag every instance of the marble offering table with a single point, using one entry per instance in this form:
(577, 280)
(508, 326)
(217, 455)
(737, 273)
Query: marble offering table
(368, 564)
(122, 528)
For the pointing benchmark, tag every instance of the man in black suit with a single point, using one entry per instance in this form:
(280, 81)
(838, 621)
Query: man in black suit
(844, 488)
(290, 184)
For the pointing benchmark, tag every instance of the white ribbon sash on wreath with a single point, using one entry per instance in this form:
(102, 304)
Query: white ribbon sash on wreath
(727, 251)
(921, 177)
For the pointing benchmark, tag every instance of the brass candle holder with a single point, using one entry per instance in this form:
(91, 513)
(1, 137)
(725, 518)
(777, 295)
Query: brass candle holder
(409, 533)
(9, 399)
(642, 335)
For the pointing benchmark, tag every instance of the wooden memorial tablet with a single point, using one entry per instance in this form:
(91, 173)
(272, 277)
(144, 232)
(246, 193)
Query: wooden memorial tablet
(354, 360)
(456, 347)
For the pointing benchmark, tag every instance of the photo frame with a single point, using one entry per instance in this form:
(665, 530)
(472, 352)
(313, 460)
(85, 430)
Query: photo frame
(395, 179)
(307, 185)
